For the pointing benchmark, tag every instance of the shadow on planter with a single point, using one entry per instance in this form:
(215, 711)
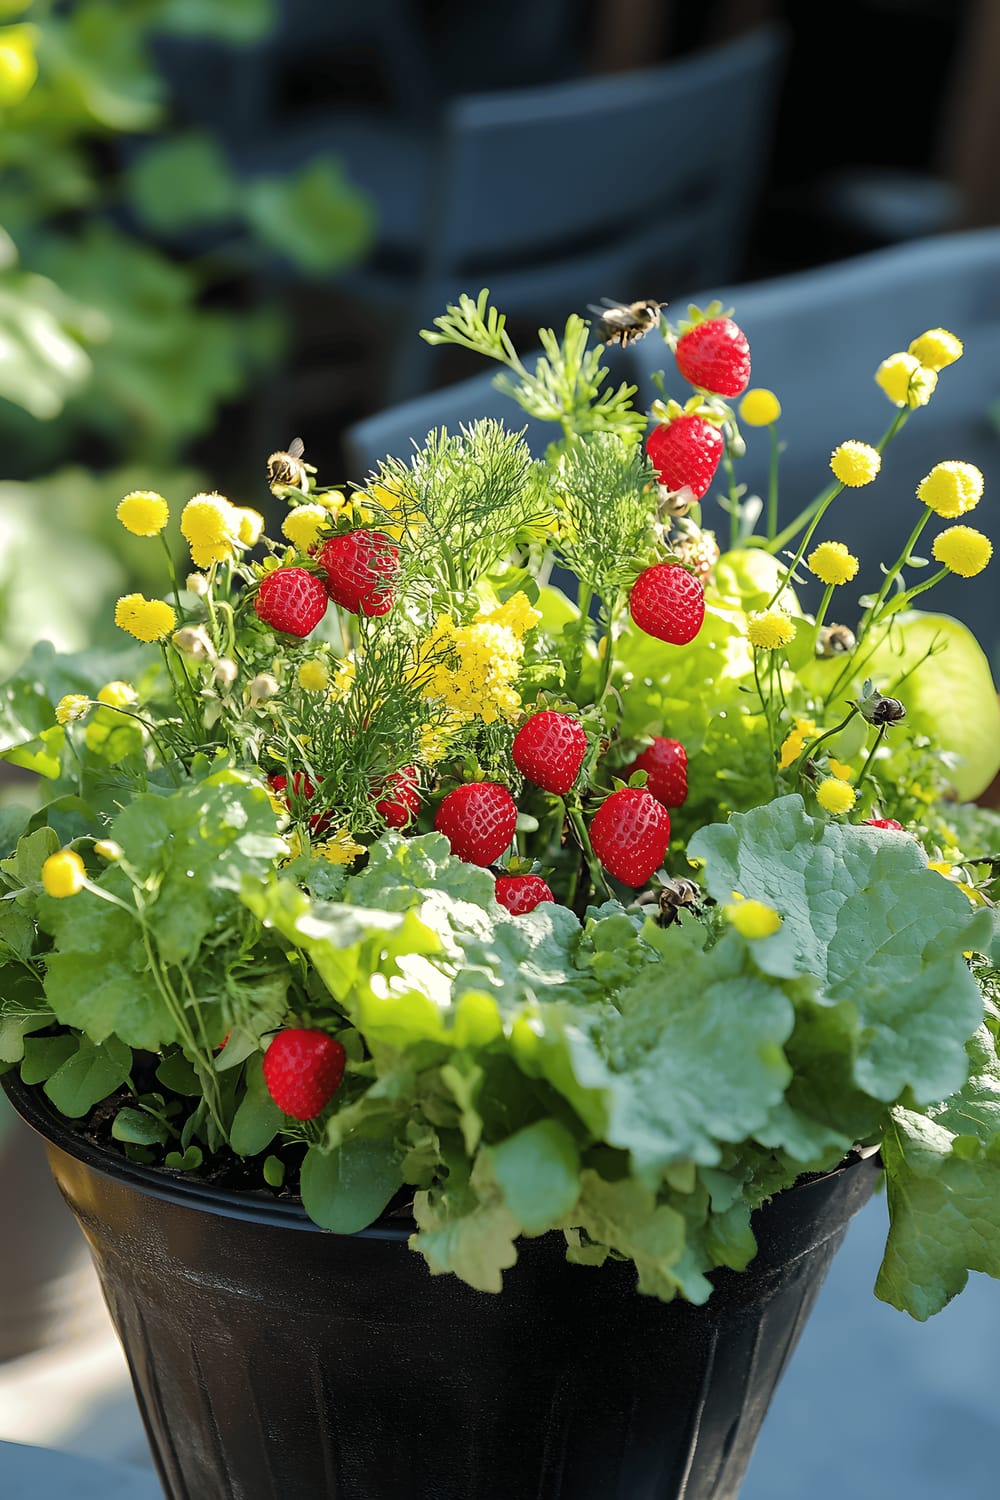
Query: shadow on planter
(272, 1358)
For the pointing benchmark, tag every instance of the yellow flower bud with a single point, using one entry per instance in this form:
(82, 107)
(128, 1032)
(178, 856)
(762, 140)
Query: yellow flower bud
(759, 408)
(146, 619)
(831, 562)
(951, 488)
(109, 850)
(63, 874)
(905, 380)
(964, 550)
(937, 348)
(752, 919)
(855, 464)
(143, 513)
(769, 629)
(835, 796)
(71, 707)
(314, 675)
(117, 694)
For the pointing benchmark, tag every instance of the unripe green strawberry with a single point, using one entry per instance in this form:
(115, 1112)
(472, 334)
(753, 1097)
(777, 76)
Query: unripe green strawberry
(548, 750)
(630, 834)
(522, 893)
(292, 600)
(303, 1070)
(715, 356)
(668, 602)
(478, 820)
(687, 452)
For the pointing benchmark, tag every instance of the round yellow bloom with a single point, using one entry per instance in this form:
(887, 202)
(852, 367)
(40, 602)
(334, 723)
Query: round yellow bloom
(71, 707)
(835, 796)
(249, 524)
(951, 489)
(905, 380)
(108, 849)
(117, 694)
(855, 464)
(18, 64)
(63, 874)
(211, 527)
(752, 919)
(963, 550)
(832, 563)
(143, 512)
(146, 619)
(304, 525)
(760, 407)
(769, 629)
(314, 675)
(937, 348)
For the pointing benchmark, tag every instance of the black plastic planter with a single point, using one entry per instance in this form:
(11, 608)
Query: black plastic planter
(275, 1361)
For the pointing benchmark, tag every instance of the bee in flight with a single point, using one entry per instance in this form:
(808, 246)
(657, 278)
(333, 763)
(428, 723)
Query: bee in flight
(677, 895)
(625, 322)
(285, 469)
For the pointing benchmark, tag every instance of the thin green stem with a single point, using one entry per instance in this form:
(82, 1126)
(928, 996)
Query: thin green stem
(824, 604)
(175, 586)
(831, 495)
(802, 519)
(734, 504)
(597, 877)
(772, 485)
(871, 754)
(828, 734)
(871, 616)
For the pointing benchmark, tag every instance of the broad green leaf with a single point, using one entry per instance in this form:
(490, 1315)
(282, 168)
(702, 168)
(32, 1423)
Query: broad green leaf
(22, 1011)
(258, 1119)
(465, 1227)
(346, 1189)
(182, 181)
(88, 1076)
(25, 865)
(626, 1217)
(538, 1173)
(138, 1128)
(44, 1055)
(315, 217)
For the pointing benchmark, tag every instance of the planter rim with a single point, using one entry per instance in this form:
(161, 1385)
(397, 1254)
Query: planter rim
(178, 1187)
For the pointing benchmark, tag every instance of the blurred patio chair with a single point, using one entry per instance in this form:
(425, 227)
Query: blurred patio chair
(558, 195)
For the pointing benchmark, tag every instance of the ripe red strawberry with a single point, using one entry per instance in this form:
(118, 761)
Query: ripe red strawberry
(686, 451)
(548, 749)
(668, 602)
(478, 820)
(303, 1070)
(665, 763)
(398, 798)
(360, 568)
(522, 893)
(884, 823)
(715, 356)
(303, 791)
(291, 599)
(630, 834)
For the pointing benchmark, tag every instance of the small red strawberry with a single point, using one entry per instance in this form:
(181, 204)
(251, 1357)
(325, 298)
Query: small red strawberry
(686, 451)
(302, 791)
(478, 820)
(665, 763)
(668, 602)
(630, 834)
(884, 823)
(360, 569)
(548, 749)
(398, 798)
(303, 1070)
(522, 893)
(292, 600)
(715, 356)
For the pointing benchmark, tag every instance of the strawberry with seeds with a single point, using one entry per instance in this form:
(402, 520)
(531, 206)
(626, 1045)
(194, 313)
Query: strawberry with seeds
(397, 797)
(522, 893)
(548, 750)
(630, 834)
(478, 820)
(668, 603)
(714, 355)
(665, 764)
(303, 790)
(292, 600)
(360, 569)
(685, 452)
(303, 1070)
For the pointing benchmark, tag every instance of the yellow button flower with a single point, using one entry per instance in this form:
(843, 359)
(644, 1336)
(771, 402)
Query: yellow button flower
(72, 706)
(304, 525)
(313, 675)
(832, 563)
(855, 464)
(951, 488)
(905, 380)
(211, 527)
(249, 525)
(937, 348)
(769, 629)
(964, 550)
(143, 512)
(752, 919)
(146, 619)
(63, 874)
(117, 694)
(108, 849)
(835, 796)
(759, 407)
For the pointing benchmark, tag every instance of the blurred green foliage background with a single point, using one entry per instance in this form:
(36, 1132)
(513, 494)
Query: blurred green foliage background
(135, 269)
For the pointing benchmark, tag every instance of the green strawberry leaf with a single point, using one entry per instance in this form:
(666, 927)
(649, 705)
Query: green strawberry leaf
(538, 1174)
(465, 1227)
(346, 1189)
(89, 1075)
(258, 1119)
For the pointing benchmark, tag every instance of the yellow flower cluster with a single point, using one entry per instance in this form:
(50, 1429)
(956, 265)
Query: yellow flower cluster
(832, 563)
(795, 742)
(964, 550)
(951, 489)
(855, 464)
(473, 667)
(770, 629)
(759, 408)
(143, 513)
(213, 528)
(146, 619)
